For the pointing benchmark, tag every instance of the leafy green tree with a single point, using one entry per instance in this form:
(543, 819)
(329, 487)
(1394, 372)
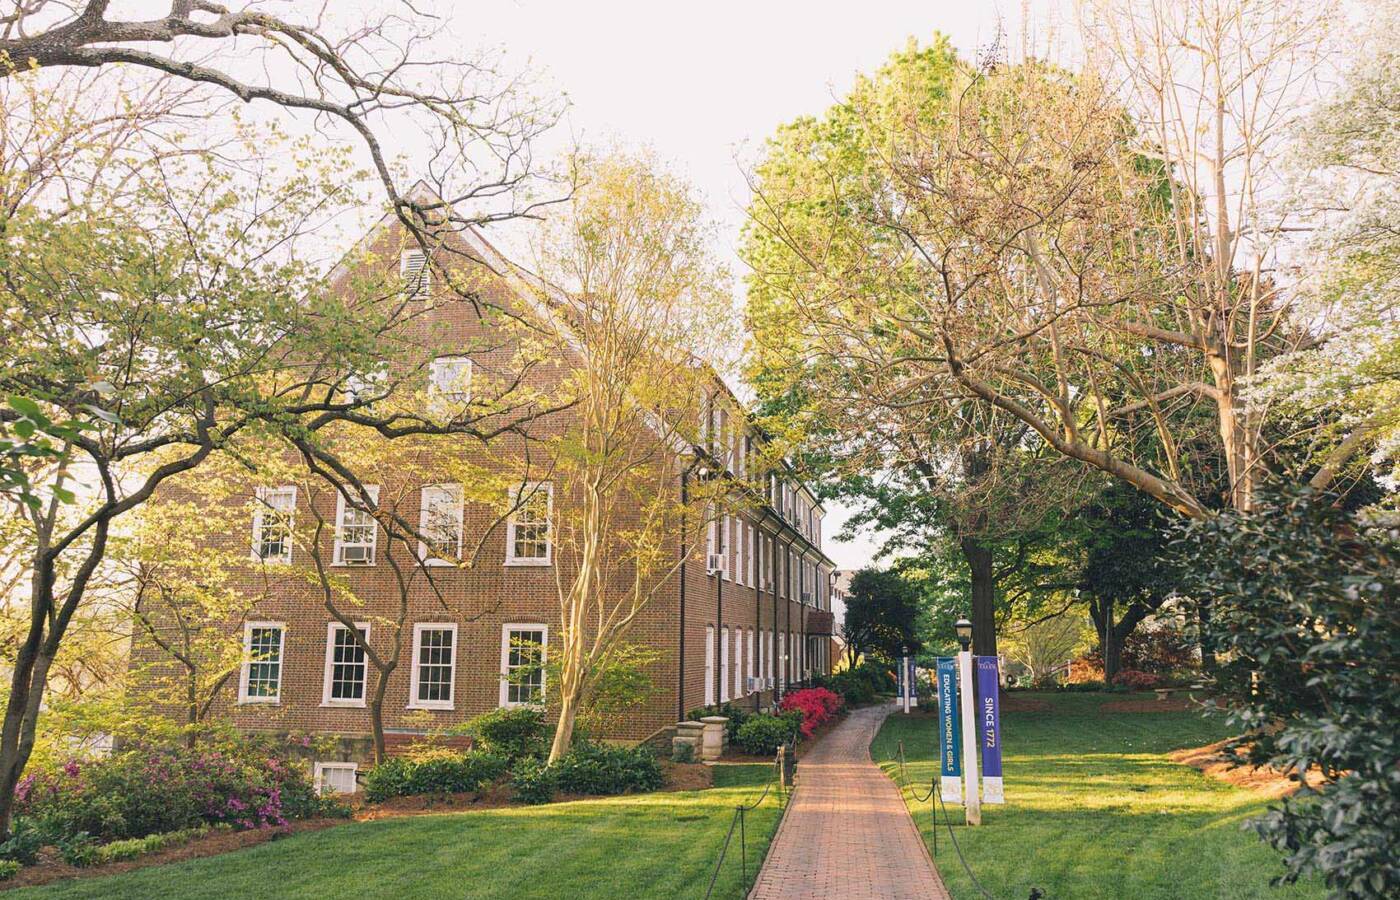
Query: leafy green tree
(882, 615)
(1305, 603)
(1127, 574)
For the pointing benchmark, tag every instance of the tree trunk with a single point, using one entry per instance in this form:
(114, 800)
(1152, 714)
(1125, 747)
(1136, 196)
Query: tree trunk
(192, 710)
(1110, 646)
(564, 732)
(984, 592)
(376, 715)
(21, 716)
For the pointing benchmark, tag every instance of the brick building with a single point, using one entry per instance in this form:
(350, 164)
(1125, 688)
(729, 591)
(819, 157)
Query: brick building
(747, 613)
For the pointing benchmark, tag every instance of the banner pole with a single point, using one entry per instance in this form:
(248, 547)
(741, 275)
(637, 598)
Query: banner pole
(967, 689)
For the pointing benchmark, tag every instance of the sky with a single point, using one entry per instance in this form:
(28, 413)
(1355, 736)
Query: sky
(704, 84)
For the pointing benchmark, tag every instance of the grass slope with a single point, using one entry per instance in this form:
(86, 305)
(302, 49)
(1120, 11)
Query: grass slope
(646, 845)
(1095, 809)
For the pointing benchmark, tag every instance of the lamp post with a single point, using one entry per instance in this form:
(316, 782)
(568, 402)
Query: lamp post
(971, 798)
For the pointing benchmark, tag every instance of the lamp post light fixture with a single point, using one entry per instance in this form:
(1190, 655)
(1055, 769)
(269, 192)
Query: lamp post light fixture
(963, 628)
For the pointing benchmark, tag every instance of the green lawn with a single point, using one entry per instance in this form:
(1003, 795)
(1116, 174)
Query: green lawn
(648, 845)
(1095, 809)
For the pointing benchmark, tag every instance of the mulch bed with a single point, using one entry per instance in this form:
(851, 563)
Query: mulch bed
(1215, 761)
(51, 868)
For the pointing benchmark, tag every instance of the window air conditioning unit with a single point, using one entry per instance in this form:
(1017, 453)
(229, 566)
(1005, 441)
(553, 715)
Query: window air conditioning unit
(356, 554)
(714, 563)
(753, 684)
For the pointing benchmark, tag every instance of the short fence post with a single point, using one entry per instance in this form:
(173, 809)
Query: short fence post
(743, 852)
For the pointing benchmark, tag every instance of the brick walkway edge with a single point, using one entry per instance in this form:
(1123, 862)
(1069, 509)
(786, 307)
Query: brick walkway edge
(847, 833)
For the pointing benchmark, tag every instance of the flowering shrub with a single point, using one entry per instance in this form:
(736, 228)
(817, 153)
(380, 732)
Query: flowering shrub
(149, 790)
(1136, 680)
(818, 705)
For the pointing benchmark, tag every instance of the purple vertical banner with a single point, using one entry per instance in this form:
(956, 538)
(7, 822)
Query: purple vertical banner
(913, 681)
(989, 727)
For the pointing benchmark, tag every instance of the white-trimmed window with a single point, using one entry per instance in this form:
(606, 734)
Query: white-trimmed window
(726, 531)
(417, 275)
(709, 665)
(749, 558)
(336, 777)
(450, 379)
(440, 524)
(345, 666)
(261, 678)
(434, 665)
(527, 528)
(738, 662)
(523, 657)
(738, 531)
(752, 667)
(273, 511)
(724, 664)
(356, 533)
(782, 660)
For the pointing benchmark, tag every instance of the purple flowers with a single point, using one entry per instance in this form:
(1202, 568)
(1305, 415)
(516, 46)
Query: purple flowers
(245, 782)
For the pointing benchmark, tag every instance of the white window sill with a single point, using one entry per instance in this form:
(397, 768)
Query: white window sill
(269, 562)
(536, 563)
(345, 565)
(432, 707)
(440, 563)
(259, 701)
(343, 704)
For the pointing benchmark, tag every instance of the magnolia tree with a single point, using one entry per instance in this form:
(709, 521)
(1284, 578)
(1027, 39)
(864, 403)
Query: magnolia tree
(628, 290)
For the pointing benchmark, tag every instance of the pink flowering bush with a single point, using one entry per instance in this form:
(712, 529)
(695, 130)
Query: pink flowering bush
(149, 790)
(817, 705)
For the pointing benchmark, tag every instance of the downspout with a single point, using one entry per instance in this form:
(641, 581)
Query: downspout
(680, 677)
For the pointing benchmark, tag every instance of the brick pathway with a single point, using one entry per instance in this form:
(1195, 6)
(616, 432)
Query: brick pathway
(848, 835)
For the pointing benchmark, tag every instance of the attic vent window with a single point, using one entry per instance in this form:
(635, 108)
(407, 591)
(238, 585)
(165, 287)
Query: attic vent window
(417, 277)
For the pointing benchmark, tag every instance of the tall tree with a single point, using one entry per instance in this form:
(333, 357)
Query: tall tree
(882, 615)
(841, 374)
(628, 290)
(1049, 246)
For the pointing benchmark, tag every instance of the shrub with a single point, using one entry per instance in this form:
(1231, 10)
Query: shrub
(248, 783)
(1136, 680)
(817, 705)
(531, 781)
(683, 753)
(26, 838)
(78, 850)
(1302, 601)
(600, 769)
(511, 732)
(434, 771)
(8, 869)
(1083, 686)
(763, 735)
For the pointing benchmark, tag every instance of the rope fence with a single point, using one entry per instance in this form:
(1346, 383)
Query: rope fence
(738, 821)
(934, 798)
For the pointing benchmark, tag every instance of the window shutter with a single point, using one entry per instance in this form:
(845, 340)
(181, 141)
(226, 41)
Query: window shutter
(417, 277)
